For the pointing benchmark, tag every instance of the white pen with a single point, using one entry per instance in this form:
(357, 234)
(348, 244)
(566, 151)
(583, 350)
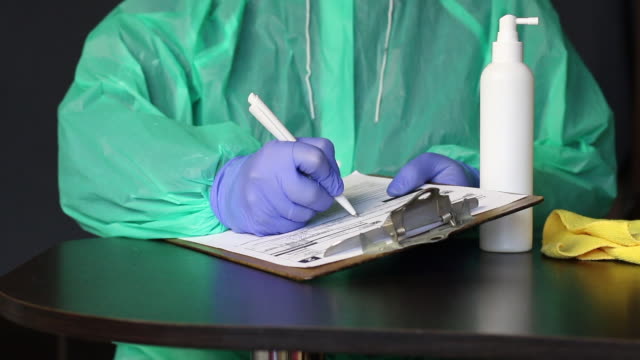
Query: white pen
(271, 122)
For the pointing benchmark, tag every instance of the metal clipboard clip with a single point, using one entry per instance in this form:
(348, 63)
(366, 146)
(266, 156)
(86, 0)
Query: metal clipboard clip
(428, 217)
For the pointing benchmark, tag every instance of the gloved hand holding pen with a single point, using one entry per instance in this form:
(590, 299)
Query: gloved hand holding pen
(277, 189)
(433, 168)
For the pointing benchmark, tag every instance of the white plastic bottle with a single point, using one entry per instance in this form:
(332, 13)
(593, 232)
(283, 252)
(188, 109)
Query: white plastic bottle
(506, 136)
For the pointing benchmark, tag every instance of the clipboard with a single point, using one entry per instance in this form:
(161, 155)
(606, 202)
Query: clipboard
(402, 230)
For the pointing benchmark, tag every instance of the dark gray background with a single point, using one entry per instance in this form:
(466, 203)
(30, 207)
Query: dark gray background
(41, 43)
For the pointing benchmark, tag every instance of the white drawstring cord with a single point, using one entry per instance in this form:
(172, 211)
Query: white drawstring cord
(384, 60)
(307, 77)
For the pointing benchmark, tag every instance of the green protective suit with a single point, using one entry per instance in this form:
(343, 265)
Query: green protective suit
(159, 102)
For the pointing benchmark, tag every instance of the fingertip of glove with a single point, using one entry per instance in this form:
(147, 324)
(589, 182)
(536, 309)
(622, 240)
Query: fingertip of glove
(394, 189)
(338, 186)
(392, 193)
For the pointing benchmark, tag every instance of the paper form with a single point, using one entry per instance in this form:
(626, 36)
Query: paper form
(305, 247)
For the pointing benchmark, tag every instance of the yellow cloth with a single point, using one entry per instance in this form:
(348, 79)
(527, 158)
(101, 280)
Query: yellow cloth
(569, 235)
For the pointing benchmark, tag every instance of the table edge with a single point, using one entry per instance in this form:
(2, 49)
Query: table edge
(313, 339)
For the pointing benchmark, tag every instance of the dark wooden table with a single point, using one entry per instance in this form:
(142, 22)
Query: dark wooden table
(447, 299)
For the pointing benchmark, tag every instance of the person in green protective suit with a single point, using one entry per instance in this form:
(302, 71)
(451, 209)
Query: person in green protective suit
(159, 104)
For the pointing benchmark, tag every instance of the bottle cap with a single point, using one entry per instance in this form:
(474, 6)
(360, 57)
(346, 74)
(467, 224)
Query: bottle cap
(507, 46)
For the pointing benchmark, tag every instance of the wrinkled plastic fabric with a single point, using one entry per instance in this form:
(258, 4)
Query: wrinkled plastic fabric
(126, 351)
(159, 101)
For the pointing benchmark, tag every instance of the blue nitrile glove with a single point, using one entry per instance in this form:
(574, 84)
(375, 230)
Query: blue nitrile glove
(277, 189)
(435, 168)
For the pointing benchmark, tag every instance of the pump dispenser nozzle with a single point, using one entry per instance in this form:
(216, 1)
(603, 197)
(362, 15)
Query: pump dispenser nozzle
(508, 47)
(527, 21)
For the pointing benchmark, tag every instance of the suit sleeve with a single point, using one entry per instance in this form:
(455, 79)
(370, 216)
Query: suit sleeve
(134, 158)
